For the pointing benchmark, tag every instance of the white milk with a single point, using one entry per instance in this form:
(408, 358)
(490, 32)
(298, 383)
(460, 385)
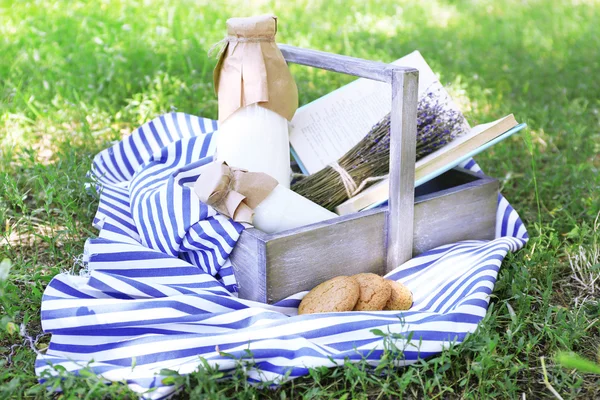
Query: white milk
(284, 209)
(256, 139)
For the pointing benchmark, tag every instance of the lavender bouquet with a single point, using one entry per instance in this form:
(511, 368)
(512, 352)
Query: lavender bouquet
(368, 161)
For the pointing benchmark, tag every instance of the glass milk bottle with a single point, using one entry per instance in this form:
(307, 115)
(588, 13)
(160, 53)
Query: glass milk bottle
(257, 97)
(256, 139)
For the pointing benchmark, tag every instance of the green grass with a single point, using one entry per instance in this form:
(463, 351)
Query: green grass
(75, 76)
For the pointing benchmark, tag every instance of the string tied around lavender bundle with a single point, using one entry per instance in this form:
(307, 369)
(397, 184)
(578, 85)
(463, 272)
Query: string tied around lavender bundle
(351, 188)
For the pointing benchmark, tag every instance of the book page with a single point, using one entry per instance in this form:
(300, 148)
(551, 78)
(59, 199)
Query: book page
(324, 130)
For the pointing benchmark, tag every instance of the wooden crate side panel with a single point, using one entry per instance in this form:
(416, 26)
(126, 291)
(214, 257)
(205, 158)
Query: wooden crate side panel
(249, 265)
(462, 215)
(302, 261)
(272, 267)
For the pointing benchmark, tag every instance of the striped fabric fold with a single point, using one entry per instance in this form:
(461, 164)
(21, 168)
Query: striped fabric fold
(160, 292)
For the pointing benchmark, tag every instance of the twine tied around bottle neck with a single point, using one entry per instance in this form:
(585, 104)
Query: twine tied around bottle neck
(349, 185)
(219, 47)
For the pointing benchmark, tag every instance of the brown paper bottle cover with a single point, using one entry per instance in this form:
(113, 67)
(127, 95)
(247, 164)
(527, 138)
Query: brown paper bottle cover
(233, 192)
(251, 69)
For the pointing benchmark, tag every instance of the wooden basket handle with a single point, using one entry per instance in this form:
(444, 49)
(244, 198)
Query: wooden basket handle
(403, 138)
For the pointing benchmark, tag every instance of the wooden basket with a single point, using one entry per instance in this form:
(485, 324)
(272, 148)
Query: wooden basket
(456, 206)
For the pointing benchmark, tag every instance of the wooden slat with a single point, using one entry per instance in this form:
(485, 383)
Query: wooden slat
(249, 265)
(343, 64)
(301, 261)
(451, 216)
(403, 136)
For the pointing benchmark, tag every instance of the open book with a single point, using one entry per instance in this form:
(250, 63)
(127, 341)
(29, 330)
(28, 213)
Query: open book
(460, 149)
(324, 130)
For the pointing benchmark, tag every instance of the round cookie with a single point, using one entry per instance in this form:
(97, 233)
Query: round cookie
(401, 298)
(335, 295)
(374, 292)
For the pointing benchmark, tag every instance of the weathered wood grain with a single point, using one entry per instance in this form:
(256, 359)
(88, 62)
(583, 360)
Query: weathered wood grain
(465, 212)
(301, 261)
(249, 265)
(403, 143)
(456, 206)
(377, 71)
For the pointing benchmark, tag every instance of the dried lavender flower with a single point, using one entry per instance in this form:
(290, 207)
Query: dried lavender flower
(437, 125)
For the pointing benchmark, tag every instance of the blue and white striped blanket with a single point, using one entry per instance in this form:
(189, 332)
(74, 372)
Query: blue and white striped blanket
(159, 292)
